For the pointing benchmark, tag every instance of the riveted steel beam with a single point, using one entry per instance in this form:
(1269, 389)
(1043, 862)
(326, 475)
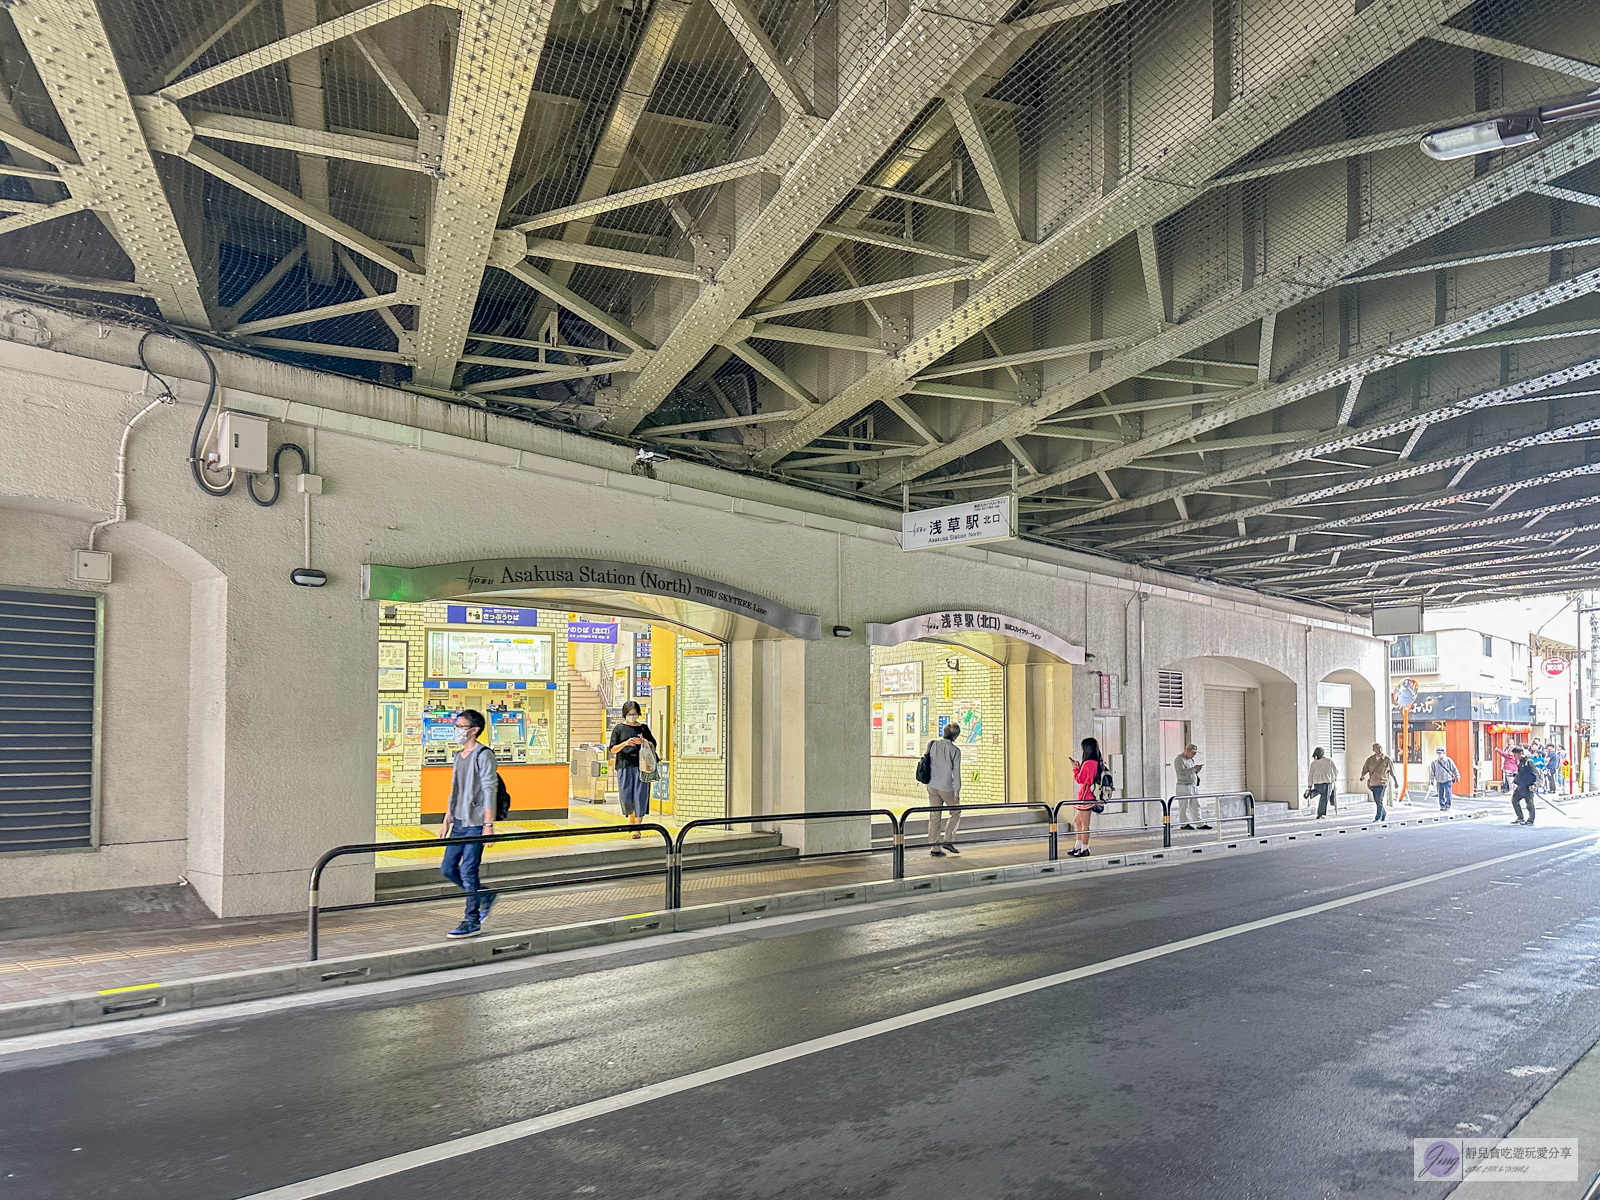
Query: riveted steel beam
(919, 60)
(497, 51)
(1329, 441)
(1549, 162)
(1345, 49)
(375, 148)
(112, 166)
(226, 169)
(764, 56)
(297, 43)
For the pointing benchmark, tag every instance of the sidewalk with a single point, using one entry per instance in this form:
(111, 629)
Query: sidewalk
(34, 968)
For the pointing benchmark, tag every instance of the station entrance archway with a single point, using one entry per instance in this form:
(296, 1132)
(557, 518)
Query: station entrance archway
(1005, 681)
(549, 647)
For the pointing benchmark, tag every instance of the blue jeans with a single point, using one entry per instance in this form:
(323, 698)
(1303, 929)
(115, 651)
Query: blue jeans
(1444, 793)
(633, 792)
(1378, 790)
(460, 867)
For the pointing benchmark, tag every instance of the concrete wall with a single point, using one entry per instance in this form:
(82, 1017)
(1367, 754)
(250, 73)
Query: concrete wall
(239, 707)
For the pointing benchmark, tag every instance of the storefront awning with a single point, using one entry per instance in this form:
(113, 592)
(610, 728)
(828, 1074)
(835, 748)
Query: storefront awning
(996, 636)
(704, 606)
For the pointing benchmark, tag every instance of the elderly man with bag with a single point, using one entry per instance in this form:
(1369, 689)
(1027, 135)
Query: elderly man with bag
(1442, 773)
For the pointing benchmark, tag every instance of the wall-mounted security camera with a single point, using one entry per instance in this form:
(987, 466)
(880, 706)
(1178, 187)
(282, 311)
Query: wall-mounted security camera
(308, 577)
(953, 663)
(841, 631)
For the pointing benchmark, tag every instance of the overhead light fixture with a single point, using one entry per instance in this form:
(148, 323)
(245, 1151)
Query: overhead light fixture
(1483, 137)
(1507, 133)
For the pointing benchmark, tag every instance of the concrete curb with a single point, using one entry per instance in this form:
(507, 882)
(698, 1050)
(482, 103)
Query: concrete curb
(123, 1004)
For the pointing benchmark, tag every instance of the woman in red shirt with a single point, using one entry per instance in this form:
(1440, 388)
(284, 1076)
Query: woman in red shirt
(1085, 773)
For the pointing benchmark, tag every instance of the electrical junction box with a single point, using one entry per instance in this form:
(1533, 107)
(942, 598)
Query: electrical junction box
(308, 485)
(242, 441)
(91, 566)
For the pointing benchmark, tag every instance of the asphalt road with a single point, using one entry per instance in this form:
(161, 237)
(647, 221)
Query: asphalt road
(1293, 1060)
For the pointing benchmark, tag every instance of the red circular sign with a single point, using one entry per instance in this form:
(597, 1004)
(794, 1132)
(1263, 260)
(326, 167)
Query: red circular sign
(1554, 666)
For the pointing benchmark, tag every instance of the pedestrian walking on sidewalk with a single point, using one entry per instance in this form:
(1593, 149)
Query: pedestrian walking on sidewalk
(1442, 773)
(474, 788)
(1187, 773)
(944, 791)
(1378, 773)
(1322, 776)
(1086, 774)
(627, 738)
(1527, 776)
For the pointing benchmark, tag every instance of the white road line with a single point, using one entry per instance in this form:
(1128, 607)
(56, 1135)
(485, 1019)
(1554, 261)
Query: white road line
(517, 1130)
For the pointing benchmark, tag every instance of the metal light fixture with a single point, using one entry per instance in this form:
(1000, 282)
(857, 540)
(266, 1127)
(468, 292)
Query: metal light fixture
(1506, 133)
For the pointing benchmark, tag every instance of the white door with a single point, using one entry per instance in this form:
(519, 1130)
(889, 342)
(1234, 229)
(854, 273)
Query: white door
(1224, 751)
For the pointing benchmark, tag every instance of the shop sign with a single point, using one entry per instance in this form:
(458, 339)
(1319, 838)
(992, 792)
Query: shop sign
(1110, 690)
(595, 632)
(1554, 666)
(570, 577)
(992, 520)
(489, 614)
(941, 626)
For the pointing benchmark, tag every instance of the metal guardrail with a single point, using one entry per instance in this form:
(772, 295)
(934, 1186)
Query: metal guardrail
(1249, 816)
(1049, 811)
(674, 867)
(314, 910)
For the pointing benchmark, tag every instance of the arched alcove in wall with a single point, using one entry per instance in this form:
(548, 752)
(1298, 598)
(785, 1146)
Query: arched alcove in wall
(1241, 715)
(1346, 724)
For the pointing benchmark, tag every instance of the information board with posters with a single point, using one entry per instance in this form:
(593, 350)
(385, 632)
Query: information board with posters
(700, 703)
(392, 675)
(900, 679)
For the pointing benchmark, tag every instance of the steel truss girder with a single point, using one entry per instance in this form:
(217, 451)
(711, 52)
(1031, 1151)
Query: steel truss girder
(1331, 441)
(1351, 47)
(1425, 533)
(1493, 189)
(1411, 505)
(1426, 556)
(922, 57)
(500, 42)
(1560, 293)
(116, 171)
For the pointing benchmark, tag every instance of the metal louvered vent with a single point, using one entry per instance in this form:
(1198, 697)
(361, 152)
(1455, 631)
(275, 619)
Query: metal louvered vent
(49, 719)
(1169, 689)
(1330, 729)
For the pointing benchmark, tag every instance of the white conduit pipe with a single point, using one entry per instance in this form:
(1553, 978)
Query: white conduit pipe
(121, 510)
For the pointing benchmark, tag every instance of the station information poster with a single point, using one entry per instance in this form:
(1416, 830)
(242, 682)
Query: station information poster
(392, 675)
(900, 679)
(700, 703)
(499, 655)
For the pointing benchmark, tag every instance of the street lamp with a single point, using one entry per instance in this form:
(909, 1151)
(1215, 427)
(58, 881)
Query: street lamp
(1505, 133)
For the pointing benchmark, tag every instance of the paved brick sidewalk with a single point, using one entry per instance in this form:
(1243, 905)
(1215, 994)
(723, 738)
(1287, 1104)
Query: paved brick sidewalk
(31, 968)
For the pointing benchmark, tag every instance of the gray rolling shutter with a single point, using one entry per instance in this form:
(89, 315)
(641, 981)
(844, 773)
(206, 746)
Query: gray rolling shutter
(49, 706)
(1225, 749)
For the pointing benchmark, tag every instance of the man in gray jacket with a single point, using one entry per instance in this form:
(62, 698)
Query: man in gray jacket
(944, 790)
(1187, 777)
(474, 788)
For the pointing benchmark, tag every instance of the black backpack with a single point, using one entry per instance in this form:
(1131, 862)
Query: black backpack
(502, 798)
(925, 765)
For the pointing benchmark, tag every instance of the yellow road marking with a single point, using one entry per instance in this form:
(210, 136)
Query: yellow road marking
(132, 987)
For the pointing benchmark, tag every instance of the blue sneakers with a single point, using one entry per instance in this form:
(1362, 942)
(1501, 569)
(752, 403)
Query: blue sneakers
(465, 930)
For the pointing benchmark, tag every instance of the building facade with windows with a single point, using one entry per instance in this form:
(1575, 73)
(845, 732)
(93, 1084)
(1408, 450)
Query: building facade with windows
(1479, 693)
